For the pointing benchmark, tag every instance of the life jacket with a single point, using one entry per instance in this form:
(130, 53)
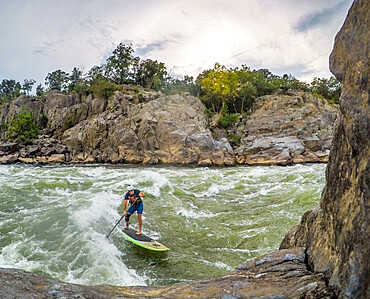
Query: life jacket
(133, 197)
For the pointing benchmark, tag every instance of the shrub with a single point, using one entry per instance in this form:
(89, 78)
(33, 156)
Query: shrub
(227, 120)
(104, 88)
(81, 88)
(234, 139)
(69, 123)
(23, 128)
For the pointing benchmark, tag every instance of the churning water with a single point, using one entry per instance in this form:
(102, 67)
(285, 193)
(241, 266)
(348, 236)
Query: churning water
(54, 219)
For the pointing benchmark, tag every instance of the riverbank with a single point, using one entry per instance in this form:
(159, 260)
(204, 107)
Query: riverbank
(159, 129)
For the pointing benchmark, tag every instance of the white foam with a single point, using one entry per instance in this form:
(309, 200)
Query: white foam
(217, 264)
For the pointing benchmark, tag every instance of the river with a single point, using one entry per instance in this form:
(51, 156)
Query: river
(54, 219)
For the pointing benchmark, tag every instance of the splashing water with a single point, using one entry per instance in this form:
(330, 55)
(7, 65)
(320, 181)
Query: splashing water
(54, 219)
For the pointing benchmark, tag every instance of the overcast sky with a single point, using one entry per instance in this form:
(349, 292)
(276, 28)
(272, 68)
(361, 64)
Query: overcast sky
(285, 36)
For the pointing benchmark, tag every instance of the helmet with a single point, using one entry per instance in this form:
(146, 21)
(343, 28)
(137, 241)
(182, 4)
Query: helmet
(130, 187)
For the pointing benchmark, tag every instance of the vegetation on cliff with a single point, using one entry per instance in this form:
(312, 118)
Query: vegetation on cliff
(235, 87)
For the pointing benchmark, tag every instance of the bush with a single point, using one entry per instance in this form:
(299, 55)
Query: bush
(234, 139)
(69, 123)
(104, 88)
(23, 128)
(81, 88)
(227, 120)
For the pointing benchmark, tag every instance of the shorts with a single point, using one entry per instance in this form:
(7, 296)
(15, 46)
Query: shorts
(136, 207)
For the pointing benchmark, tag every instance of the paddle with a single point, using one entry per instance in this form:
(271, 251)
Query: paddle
(115, 226)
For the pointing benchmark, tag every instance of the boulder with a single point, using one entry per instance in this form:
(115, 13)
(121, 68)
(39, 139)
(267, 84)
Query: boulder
(8, 148)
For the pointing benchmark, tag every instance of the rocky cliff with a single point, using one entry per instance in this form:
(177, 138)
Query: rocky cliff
(337, 233)
(285, 129)
(151, 128)
(327, 255)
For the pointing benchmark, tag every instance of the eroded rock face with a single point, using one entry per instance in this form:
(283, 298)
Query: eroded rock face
(285, 129)
(337, 233)
(170, 129)
(153, 128)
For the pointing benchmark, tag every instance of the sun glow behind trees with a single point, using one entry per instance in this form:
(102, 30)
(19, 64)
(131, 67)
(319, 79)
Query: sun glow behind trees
(231, 88)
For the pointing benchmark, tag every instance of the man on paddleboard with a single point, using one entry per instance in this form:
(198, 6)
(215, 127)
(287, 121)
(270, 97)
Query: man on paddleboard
(134, 197)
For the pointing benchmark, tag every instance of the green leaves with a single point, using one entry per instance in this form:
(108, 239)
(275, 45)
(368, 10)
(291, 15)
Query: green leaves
(121, 65)
(57, 80)
(238, 87)
(9, 90)
(151, 74)
(23, 128)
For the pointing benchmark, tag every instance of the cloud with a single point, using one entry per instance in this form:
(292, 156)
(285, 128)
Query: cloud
(146, 49)
(189, 36)
(321, 18)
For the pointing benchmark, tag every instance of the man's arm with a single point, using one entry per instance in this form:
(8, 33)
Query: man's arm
(124, 206)
(141, 194)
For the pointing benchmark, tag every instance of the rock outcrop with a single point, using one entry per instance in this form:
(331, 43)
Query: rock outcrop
(154, 128)
(337, 233)
(285, 129)
(169, 129)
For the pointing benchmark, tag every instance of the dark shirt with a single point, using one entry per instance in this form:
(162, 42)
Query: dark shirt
(133, 197)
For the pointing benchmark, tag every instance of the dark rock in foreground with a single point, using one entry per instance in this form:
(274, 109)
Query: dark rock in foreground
(337, 234)
(281, 274)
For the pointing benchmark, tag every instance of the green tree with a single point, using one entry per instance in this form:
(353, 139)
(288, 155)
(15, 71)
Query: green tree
(9, 90)
(186, 84)
(95, 73)
(330, 88)
(28, 85)
(57, 80)
(221, 83)
(289, 82)
(23, 128)
(75, 78)
(122, 64)
(39, 90)
(151, 74)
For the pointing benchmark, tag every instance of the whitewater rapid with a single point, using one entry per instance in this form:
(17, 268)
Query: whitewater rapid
(54, 219)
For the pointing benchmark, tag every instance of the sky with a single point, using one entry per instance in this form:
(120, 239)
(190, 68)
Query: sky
(285, 36)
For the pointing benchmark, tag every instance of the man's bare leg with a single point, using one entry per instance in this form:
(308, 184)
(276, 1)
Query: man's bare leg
(140, 224)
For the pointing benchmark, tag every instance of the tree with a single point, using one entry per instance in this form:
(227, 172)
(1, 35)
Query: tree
(289, 82)
(330, 88)
(223, 84)
(28, 85)
(151, 74)
(186, 84)
(57, 80)
(95, 73)
(9, 90)
(39, 90)
(121, 65)
(23, 128)
(75, 78)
